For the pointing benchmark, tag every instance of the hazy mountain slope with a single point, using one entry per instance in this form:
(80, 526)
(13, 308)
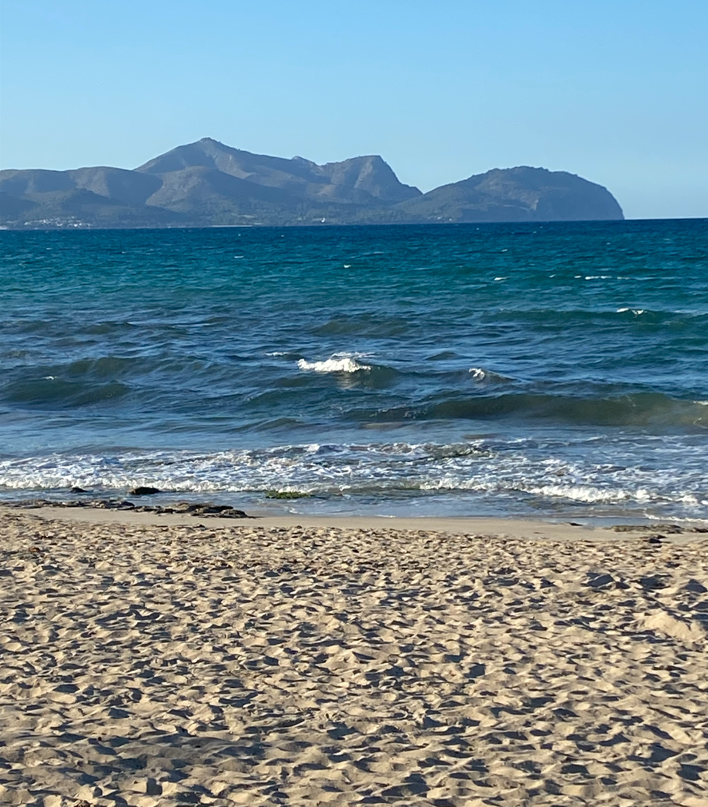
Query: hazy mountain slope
(32, 181)
(116, 184)
(13, 207)
(109, 197)
(207, 195)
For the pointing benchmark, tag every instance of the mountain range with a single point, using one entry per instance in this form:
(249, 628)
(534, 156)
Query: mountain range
(210, 184)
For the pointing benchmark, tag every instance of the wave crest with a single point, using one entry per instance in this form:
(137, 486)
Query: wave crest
(481, 375)
(337, 363)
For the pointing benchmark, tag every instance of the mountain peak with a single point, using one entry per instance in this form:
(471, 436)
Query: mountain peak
(359, 180)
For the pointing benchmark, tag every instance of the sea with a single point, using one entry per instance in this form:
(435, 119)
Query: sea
(540, 370)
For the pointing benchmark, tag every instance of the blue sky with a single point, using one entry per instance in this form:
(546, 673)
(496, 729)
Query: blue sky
(614, 91)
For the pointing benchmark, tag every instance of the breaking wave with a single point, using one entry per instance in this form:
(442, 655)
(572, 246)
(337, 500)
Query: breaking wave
(518, 475)
(337, 363)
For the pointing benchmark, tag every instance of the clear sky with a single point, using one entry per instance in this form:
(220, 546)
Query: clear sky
(613, 90)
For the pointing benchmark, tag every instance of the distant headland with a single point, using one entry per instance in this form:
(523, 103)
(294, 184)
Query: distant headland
(207, 183)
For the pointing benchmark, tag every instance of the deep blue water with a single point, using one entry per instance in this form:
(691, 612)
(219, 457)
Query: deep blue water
(557, 369)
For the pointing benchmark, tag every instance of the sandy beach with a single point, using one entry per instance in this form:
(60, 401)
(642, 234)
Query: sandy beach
(167, 660)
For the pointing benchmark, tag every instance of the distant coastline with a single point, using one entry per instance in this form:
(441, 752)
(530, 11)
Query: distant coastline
(209, 184)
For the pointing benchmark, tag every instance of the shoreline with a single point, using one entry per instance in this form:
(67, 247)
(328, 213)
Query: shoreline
(512, 527)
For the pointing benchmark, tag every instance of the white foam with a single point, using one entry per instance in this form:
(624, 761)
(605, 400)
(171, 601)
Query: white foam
(337, 363)
(514, 471)
(480, 374)
(582, 493)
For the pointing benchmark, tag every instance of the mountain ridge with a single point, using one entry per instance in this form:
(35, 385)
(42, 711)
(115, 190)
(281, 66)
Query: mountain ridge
(207, 183)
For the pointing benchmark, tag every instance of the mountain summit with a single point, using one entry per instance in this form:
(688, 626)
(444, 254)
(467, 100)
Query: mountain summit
(360, 180)
(207, 183)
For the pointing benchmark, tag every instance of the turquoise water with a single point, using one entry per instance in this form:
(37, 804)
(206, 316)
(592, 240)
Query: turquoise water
(557, 369)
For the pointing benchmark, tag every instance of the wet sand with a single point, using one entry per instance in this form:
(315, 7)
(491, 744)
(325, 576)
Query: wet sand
(168, 660)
